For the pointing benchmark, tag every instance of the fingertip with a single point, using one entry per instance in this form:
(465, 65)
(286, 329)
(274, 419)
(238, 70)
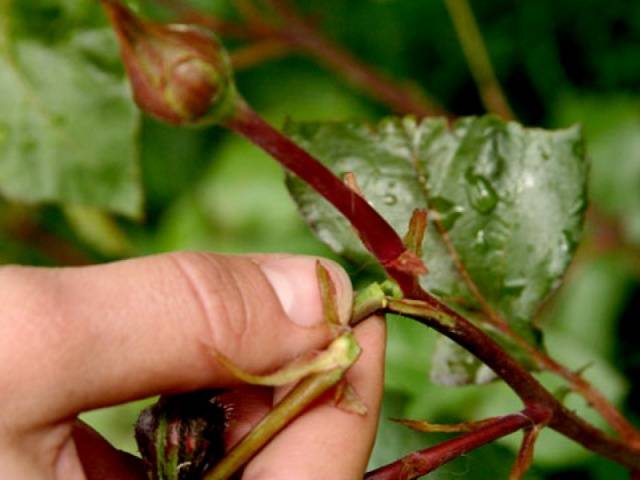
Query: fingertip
(295, 282)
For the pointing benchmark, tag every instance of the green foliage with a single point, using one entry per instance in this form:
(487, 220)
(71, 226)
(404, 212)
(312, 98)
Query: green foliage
(67, 129)
(509, 200)
(206, 190)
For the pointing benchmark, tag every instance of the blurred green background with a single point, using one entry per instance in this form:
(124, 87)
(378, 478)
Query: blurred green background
(559, 62)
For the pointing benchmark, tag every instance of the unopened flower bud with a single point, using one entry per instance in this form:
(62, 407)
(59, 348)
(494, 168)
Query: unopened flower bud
(181, 436)
(179, 74)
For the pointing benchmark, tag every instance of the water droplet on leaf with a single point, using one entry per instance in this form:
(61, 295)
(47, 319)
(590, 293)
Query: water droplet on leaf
(480, 241)
(480, 193)
(390, 199)
(448, 212)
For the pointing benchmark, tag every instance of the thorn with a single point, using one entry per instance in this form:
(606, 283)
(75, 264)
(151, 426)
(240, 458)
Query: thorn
(417, 229)
(348, 400)
(525, 455)
(329, 300)
(427, 427)
(351, 182)
(408, 262)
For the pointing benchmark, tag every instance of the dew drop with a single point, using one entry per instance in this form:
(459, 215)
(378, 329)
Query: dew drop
(390, 199)
(480, 242)
(482, 196)
(448, 212)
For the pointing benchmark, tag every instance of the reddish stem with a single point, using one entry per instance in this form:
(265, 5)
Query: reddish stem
(383, 242)
(525, 455)
(401, 98)
(465, 334)
(404, 266)
(424, 461)
(374, 231)
(300, 34)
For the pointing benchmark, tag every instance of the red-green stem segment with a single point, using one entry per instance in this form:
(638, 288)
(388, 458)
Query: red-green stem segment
(309, 390)
(385, 244)
(295, 32)
(375, 232)
(420, 463)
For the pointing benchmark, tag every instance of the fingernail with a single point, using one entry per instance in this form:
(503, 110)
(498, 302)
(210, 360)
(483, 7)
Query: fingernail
(295, 283)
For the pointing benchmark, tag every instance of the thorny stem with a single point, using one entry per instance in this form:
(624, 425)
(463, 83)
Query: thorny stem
(404, 267)
(296, 33)
(596, 399)
(402, 100)
(376, 233)
(387, 246)
(448, 322)
(420, 463)
(477, 57)
(525, 455)
(578, 383)
(299, 32)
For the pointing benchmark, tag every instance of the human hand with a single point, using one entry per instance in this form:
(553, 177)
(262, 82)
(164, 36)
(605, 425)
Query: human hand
(76, 339)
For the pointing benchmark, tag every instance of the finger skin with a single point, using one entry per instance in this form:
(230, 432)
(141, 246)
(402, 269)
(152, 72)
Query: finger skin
(326, 442)
(95, 336)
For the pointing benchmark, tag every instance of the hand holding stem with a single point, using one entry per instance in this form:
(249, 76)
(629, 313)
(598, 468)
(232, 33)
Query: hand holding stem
(401, 264)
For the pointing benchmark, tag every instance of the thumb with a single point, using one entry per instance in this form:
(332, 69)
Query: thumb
(101, 335)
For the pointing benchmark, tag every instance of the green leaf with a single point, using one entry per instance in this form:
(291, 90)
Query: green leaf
(453, 365)
(511, 199)
(68, 126)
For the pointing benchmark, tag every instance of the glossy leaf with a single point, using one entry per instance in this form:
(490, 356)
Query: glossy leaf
(511, 201)
(67, 125)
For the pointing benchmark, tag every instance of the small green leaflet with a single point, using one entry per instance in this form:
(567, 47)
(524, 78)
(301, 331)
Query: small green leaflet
(511, 200)
(67, 124)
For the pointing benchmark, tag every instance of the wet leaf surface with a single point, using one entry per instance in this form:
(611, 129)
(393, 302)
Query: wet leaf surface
(510, 201)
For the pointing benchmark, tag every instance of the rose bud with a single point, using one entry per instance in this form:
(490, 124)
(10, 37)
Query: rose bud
(179, 74)
(181, 436)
